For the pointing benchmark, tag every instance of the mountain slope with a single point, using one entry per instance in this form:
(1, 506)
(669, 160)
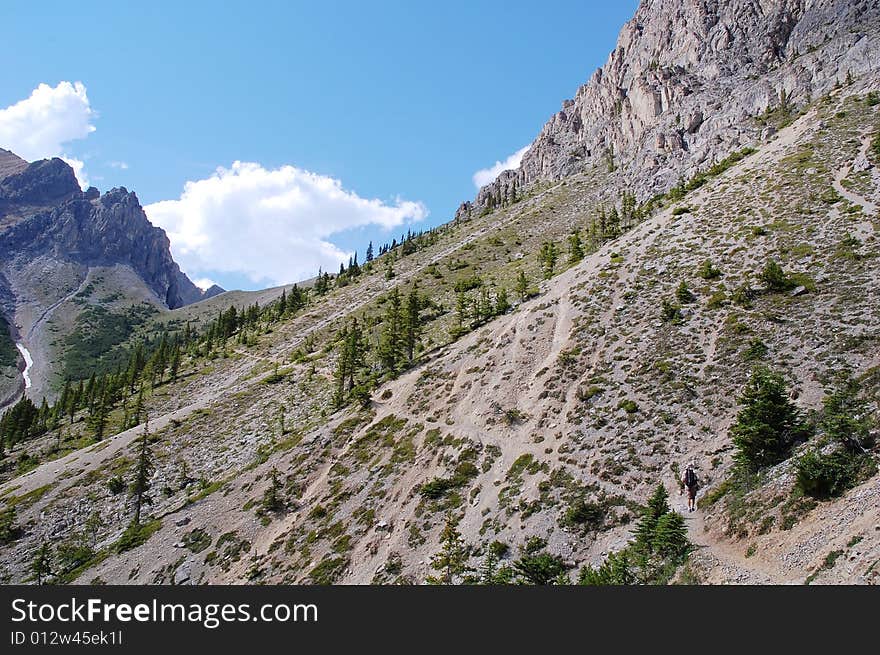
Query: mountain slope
(534, 400)
(554, 419)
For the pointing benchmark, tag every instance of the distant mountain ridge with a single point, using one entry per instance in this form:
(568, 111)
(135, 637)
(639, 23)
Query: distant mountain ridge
(64, 251)
(89, 228)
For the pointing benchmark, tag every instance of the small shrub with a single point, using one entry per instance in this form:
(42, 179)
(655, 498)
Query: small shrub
(629, 406)
(824, 476)
(757, 350)
(684, 294)
(670, 312)
(775, 278)
(116, 485)
(707, 270)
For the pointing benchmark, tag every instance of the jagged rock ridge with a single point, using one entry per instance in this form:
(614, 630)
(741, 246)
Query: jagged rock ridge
(685, 83)
(51, 215)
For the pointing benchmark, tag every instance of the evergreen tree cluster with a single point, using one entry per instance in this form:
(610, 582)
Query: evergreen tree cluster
(360, 365)
(768, 424)
(659, 547)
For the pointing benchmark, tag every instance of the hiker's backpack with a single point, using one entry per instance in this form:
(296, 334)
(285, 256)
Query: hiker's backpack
(690, 478)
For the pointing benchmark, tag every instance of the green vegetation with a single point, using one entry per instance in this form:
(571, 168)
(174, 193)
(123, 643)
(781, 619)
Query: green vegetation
(683, 188)
(94, 343)
(659, 548)
(136, 535)
(768, 424)
(9, 531)
(841, 460)
(451, 561)
(774, 278)
(708, 271)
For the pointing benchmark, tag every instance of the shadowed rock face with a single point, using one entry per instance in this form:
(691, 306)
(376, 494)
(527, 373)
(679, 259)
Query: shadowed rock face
(48, 214)
(685, 83)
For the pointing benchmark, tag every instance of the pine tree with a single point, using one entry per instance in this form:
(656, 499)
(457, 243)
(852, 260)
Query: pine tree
(615, 570)
(613, 225)
(768, 423)
(41, 567)
(272, 501)
(460, 312)
(98, 416)
(670, 536)
(350, 361)
(369, 256)
(451, 561)
(412, 330)
(502, 304)
(139, 406)
(93, 525)
(391, 342)
(575, 248)
(522, 286)
(847, 416)
(548, 257)
(658, 505)
(143, 470)
(175, 361)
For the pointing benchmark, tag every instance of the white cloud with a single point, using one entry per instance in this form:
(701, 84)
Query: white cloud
(121, 165)
(78, 166)
(39, 126)
(204, 283)
(486, 175)
(269, 223)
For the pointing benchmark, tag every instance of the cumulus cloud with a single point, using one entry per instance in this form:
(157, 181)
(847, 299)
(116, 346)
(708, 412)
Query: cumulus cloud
(41, 125)
(204, 283)
(270, 224)
(486, 175)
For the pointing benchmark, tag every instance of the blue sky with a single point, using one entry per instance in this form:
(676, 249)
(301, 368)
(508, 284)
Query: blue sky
(399, 102)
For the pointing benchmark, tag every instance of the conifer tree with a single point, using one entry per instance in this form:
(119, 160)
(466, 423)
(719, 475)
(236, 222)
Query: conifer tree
(391, 342)
(522, 286)
(41, 566)
(670, 536)
(272, 501)
(768, 423)
(548, 257)
(502, 304)
(412, 323)
(575, 247)
(451, 561)
(657, 506)
(143, 470)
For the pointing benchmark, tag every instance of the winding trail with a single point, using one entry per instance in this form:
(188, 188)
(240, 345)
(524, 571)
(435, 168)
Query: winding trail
(867, 206)
(729, 565)
(55, 305)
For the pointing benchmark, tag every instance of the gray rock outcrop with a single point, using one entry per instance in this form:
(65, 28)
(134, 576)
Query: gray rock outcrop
(47, 213)
(686, 83)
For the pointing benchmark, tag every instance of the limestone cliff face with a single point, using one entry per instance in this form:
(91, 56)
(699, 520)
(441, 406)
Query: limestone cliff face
(685, 83)
(47, 214)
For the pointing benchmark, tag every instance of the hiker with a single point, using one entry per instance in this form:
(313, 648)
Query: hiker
(690, 482)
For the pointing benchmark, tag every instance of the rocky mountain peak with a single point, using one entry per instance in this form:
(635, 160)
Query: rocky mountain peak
(10, 163)
(43, 183)
(686, 84)
(53, 216)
